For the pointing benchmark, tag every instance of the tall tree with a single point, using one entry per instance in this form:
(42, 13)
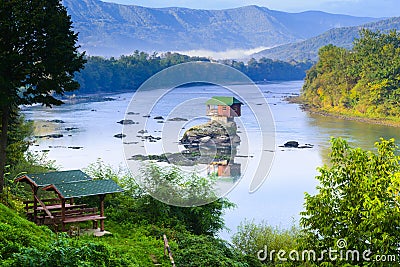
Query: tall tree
(38, 59)
(356, 207)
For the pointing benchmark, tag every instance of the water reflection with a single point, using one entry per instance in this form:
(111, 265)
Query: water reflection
(358, 134)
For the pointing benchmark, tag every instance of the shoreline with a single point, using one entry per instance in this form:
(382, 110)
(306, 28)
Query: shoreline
(305, 107)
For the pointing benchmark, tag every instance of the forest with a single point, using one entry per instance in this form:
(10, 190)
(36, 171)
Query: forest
(363, 81)
(129, 72)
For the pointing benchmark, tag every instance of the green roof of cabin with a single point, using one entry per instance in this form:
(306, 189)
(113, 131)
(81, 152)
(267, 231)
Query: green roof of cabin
(44, 179)
(223, 101)
(85, 188)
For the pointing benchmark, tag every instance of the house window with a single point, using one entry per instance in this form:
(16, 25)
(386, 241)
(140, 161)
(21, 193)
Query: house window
(223, 108)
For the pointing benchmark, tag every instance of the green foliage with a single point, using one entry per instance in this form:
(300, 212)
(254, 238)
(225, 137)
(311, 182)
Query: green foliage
(251, 238)
(195, 250)
(172, 185)
(17, 233)
(44, 44)
(137, 223)
(19, 161)
(357, 200)
(30, 162)
(22, 243)
(175, 183)
(362, 82)
(141, 245)
(135, 206)
(266, 69)
(129, 72)
(39, 58)
(102, 171)
(19, 133)
(64, 251)
(135, 214)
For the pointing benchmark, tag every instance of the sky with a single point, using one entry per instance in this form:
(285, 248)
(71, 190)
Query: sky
(364, 8)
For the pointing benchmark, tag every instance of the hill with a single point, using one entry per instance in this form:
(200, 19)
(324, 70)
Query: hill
(342, 37)
(363, 82)
(110, 29)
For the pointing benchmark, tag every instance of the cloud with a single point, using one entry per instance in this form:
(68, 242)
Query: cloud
(228, 54)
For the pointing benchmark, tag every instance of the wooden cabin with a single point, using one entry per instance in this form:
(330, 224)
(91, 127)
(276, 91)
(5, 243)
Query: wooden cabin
(67, 185)
(223, 108)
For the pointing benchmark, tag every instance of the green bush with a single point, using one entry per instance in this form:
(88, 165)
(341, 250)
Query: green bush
(65, 251)
(356, 204)
(201, 250)
(136, 207)
(252, 238)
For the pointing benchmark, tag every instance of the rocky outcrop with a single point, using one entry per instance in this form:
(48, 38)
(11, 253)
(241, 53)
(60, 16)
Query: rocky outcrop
(212, 134)
(120, 135)
(127, 122)
(50, 136)
(178, 119)
(291, 144)
(295, 144)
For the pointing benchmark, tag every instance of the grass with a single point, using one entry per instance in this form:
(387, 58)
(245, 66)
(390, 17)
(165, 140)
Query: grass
(127, 246)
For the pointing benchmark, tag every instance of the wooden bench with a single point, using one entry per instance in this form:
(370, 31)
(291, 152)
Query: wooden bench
(79, 214)
(76, 211)
(72, 216)
(59, 206)
(41, 214)
(29, 207)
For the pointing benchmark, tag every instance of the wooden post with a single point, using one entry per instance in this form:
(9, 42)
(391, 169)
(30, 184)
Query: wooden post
(63, 213)
(102, 212)
(35, 203)
(167, 248)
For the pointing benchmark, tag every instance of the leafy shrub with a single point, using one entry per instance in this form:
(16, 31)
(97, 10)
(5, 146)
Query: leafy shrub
(65, 252)
(357, 203)
(252, 238)
(135, 206)
(201, 250)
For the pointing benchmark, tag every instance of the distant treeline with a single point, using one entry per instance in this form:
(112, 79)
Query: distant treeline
(129, 72)
(364, 81)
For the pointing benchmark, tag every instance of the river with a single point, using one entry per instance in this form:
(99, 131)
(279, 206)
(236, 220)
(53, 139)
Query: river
(89, 127)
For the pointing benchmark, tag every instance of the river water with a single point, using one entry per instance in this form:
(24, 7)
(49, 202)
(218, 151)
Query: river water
(89, 127)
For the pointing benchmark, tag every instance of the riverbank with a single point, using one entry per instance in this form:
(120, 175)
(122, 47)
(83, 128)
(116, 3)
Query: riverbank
(307, 108)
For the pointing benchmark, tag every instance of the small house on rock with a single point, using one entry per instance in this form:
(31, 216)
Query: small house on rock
(223, 108)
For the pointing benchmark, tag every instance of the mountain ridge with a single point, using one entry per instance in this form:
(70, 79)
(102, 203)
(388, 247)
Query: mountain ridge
(111, 29)
(342, 37)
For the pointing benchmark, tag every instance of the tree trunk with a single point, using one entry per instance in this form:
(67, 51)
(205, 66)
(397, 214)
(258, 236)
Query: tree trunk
(5, 117)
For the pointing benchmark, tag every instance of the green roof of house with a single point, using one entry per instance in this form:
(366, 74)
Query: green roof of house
(44, 179)
(85, 188)
(223, 101)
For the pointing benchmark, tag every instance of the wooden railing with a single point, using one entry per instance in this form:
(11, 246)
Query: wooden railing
(44, 207)
(54, 212)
